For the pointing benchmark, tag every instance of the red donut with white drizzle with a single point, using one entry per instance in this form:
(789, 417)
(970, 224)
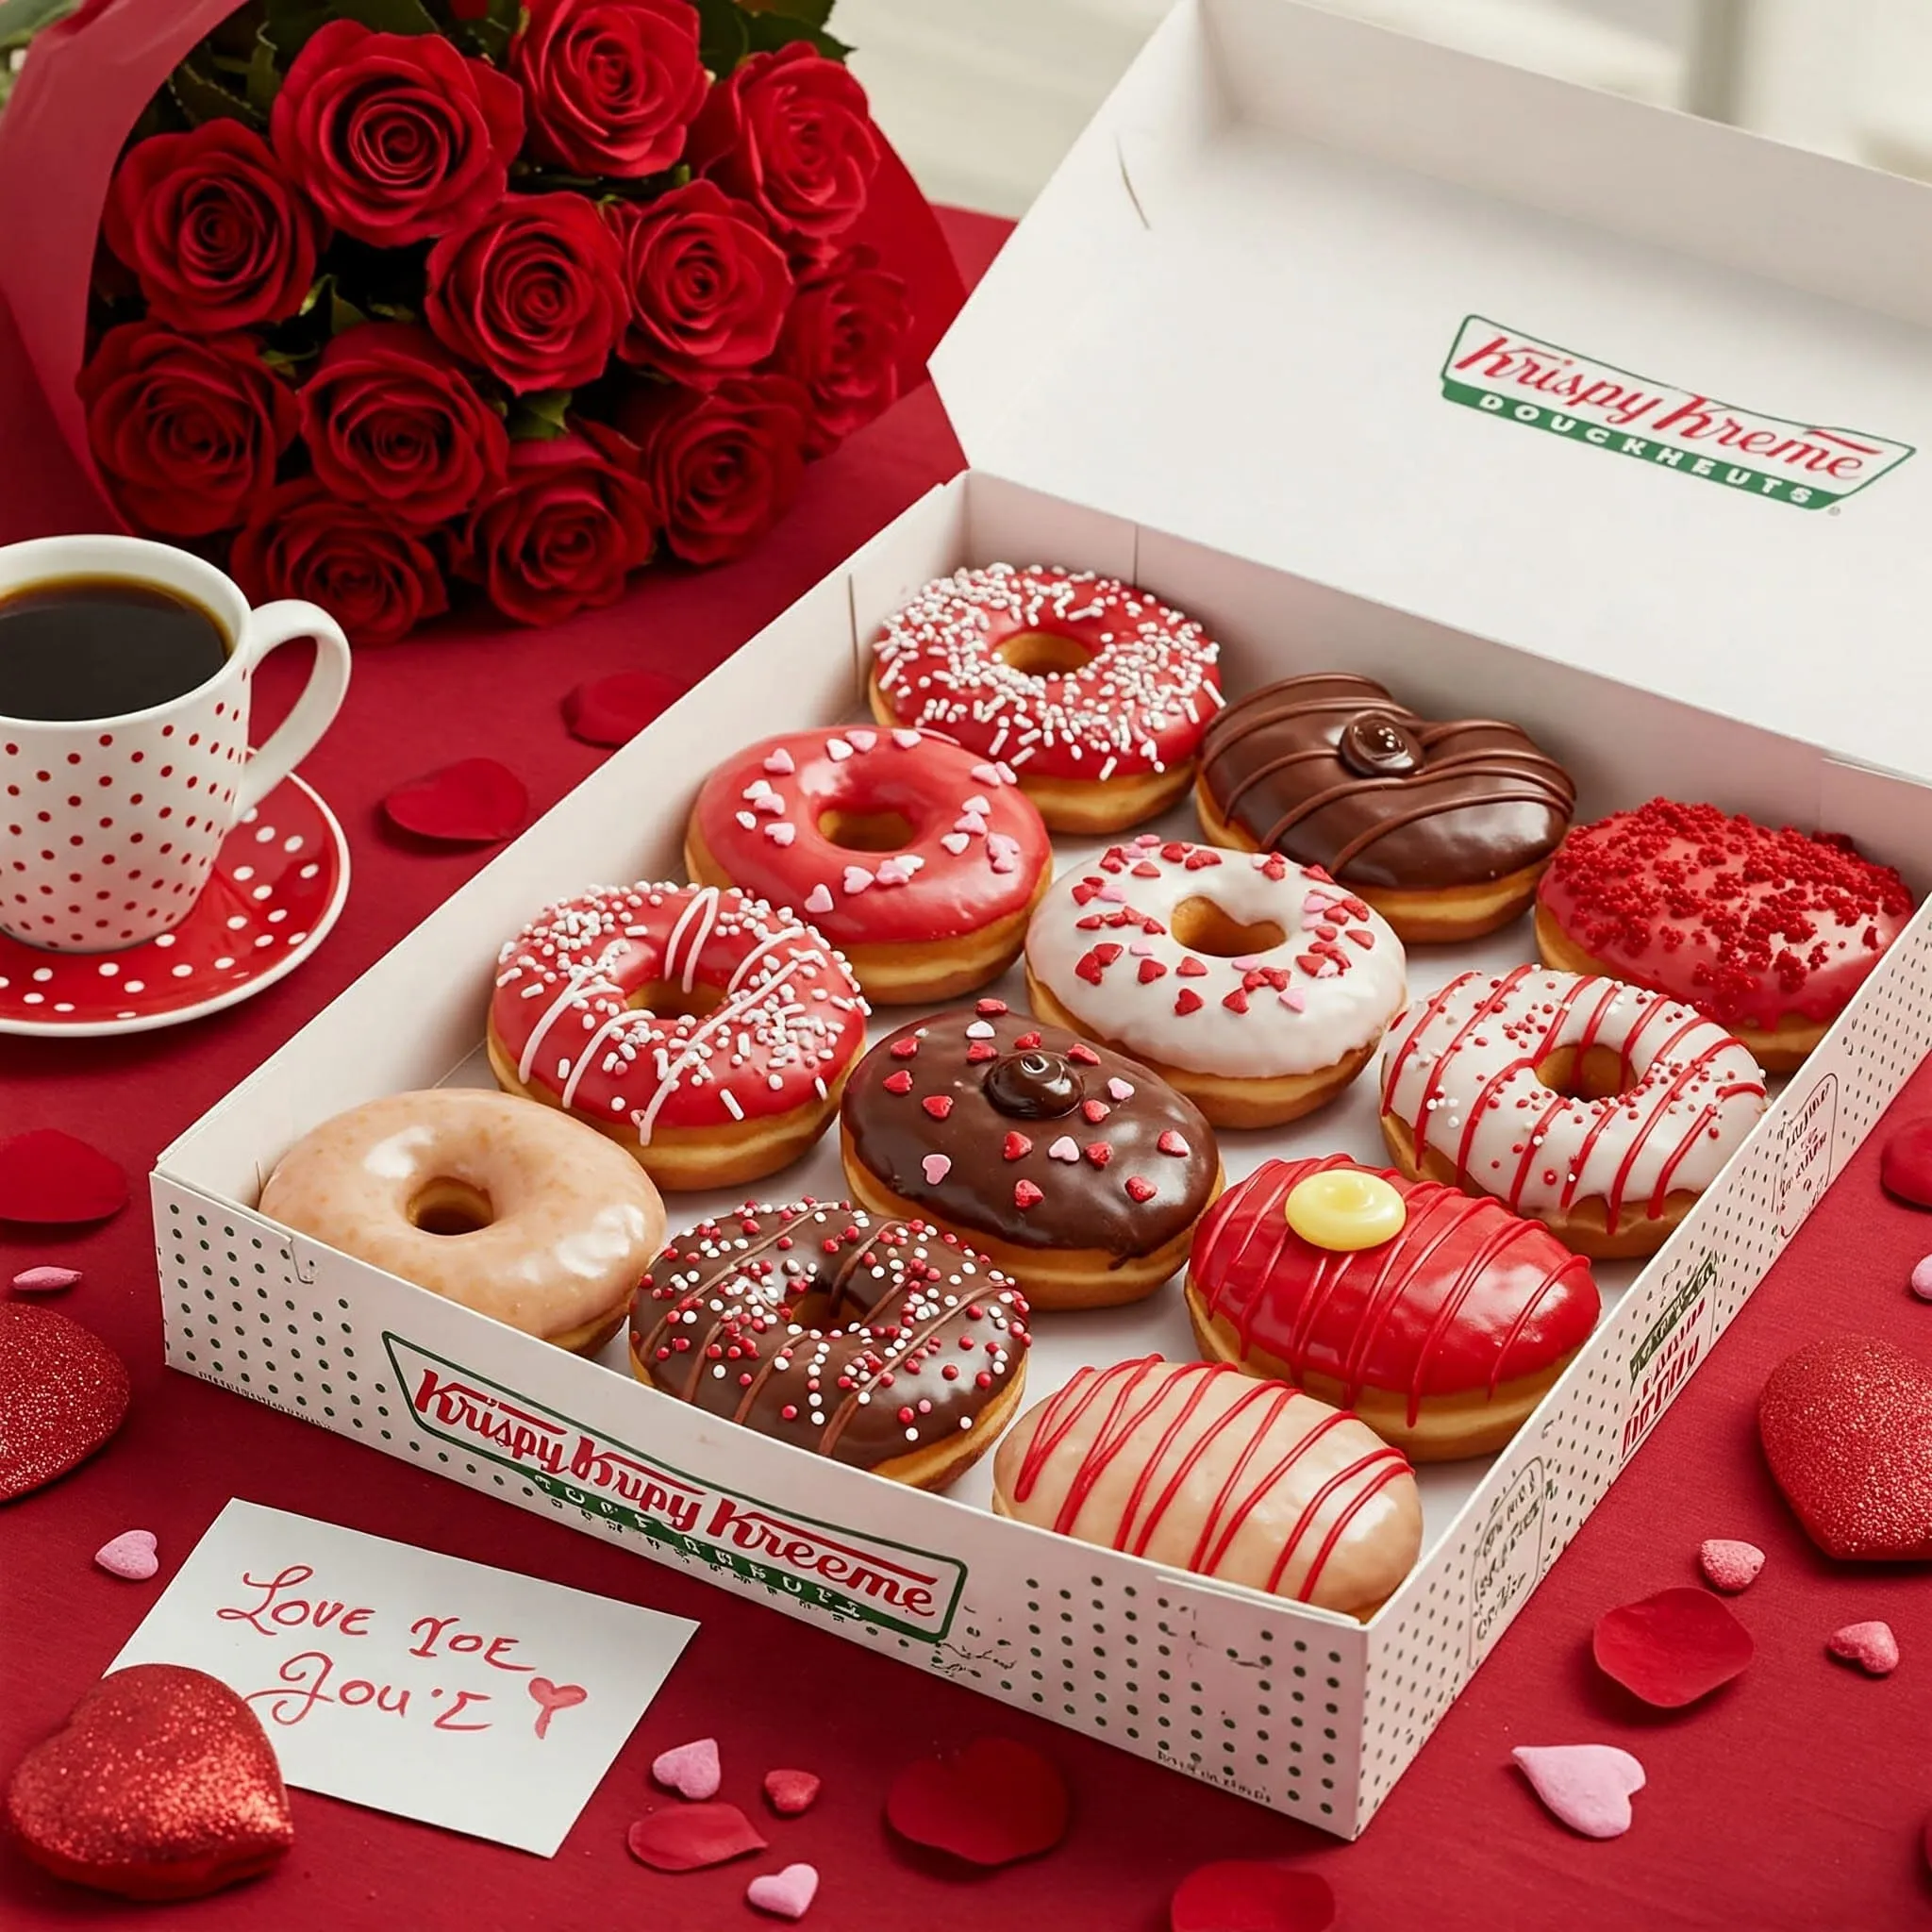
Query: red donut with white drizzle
(1093, 691)
(920, 862)
(704, 1031)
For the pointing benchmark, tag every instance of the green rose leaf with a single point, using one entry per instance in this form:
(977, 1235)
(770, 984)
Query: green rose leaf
(265, 80)
(812, 12)
(540, 418)
(723, 39)
(766, 32)
(201, 97)
(291, 24)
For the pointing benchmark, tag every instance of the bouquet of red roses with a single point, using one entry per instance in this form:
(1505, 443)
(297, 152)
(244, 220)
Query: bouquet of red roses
(392, 297)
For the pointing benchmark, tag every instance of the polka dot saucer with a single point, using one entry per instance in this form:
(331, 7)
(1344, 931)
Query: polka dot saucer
(278, 883)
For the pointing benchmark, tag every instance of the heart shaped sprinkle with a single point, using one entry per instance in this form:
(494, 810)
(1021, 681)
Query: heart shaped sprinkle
(857, 879)
(862, 739)
(1065, 1148)
(935, 1167)
(687, 1838)
(1139, 1190)
(1588, 1787)
(692, 1770)
(838, 750)
(994, 1802)
(938, 1104)
(1244, 1895)
(1871, 1646)
(906, 739)
(905, 1049)
(1026, 1195)
(472, 802)
(1100, 1153)
(1120, 1090)
(987, 774)
(786, 1894)
(1672, 1648)
(954, 842)
(63, 1392)
(45, 1280)
(1016, 1145)
(788, 1793)
(131, 1554)
(1170, 1142)
(899, 1082)
(780, 763)
(1729, 1565)
(819, 899)
(981, 805)
(1904, 1168)
(49, 1177)
(612, 710)
(781, 832)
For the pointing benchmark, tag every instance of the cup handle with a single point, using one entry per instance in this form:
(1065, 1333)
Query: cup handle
(315, 710)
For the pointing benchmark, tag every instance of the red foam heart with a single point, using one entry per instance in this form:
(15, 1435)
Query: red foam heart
(1846, 1424)
(1672, 1648)
(50, 1176)
(612, 710)
(996, 1801)
(472, 802)
(788, 1793)
(687, 1838)
(161, 1785)
(63, 1392)
(1240, 1895)
(1904, 1168)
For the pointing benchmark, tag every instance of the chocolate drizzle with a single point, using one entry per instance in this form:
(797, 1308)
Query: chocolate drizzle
(1330, 771)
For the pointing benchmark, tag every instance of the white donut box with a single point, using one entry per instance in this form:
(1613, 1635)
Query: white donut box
(1243, 351)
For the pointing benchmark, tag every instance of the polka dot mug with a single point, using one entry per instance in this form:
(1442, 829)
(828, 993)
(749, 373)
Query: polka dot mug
(109, 826)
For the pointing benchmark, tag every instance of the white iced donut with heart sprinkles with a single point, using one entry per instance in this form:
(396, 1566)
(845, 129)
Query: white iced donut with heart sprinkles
(1092, 691)
(1596, 1108)
(702, 1029)
(1258, 987)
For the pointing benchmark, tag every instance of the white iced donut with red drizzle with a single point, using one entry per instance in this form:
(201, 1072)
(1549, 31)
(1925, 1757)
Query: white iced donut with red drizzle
(917, 859)
(1258, 987)
(706, 1032)
(1196, 1465)
(1094, 693)
(1596, 1108)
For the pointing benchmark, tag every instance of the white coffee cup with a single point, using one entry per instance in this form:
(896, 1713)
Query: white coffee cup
(109, 826)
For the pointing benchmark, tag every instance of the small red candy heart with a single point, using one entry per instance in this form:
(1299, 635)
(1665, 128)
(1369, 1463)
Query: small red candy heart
(994, 1802)
(161, 1784)
(1672, 1648)
(48, 1176)
(472, 802)
(788, 1793)
(63, 1392)
(687, 1838)
(1242, 1895)
(612, 710)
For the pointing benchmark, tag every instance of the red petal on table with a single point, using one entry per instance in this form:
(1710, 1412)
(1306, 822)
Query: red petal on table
(992, 1803)
(687, 1838)
(63, 1392)
(50, 1176)
(1904, 1168)
(612, 710)
(1672, 1648)
(472, 802)
(1240, 1895)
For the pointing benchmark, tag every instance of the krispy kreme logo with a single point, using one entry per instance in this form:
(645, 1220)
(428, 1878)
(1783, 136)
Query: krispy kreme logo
(842, 1572)
(1517, 378)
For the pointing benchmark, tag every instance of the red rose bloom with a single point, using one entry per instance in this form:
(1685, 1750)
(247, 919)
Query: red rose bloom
(709, 288)
(390, 420)
(790, 133)
(213, 228)
(396, 138)
(724, 464)
(534, 292)
(378, 582)
(609, 85)
(187, 430)
(841, 345)
(573, 523)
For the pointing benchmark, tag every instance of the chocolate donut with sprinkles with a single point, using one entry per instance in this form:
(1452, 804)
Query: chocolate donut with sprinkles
(703, 1030)
(919, 860)
(1091, 692)
(882, 1343)
(1080, 1171)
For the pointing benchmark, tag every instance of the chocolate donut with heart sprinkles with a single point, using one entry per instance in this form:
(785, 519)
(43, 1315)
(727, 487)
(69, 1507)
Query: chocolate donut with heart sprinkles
(1080, 1172)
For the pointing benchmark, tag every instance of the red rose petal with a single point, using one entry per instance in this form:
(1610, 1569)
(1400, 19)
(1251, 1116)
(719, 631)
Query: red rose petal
(49, 1176)
(1905, 1169)
(612, 710)
(1672, 1648)
(1242, 1895)
(996, 1801)
(472, 802)
(687, 1838)
(788, 1793)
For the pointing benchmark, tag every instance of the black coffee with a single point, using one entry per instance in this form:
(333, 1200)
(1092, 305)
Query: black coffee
(99, 647)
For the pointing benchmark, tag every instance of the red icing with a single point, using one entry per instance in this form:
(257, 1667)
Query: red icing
(1748, 925)
(1465, 1297)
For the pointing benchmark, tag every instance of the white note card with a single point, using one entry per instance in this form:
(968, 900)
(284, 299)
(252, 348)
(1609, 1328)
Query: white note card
(466, 1696)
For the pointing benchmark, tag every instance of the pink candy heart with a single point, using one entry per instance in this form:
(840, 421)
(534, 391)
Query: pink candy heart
(45, 1280)
(1871, 1646)
(692, 1770)
(785, 1894)
(1587, 1786)
(131, 1554)
(1729, 1565)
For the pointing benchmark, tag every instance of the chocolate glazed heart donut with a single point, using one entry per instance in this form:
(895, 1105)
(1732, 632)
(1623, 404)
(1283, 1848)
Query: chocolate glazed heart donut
(1443, 828)
(1076, 1169)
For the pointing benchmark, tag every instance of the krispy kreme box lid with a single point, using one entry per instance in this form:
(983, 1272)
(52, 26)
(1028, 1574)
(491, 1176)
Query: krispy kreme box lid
(1635, 391)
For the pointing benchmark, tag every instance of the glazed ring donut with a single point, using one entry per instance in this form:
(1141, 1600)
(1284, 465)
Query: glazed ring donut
(1093, 691)
(1256, 988)
(917, 859)
(1593, 1107)
(505, 1208)
(879, 1343)
(700, 1029)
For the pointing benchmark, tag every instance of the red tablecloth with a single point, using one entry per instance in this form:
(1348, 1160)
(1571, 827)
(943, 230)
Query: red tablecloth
(1793, 1798)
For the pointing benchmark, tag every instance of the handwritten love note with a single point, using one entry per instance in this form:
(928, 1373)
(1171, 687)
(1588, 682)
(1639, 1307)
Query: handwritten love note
(466, 1696)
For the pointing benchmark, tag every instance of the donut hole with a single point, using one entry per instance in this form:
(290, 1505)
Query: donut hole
(1596, 1073)
(448, 1205)
(866, 831)
(1202, 926)
(668, 999)
(1043, 654)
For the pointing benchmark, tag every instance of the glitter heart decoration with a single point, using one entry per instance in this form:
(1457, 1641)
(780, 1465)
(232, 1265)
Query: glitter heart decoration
(63, 1392)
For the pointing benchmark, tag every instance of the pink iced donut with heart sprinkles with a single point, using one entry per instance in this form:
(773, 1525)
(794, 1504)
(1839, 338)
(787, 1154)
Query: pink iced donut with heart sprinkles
(919, 860)
(706, 1031)
(1092, 692)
